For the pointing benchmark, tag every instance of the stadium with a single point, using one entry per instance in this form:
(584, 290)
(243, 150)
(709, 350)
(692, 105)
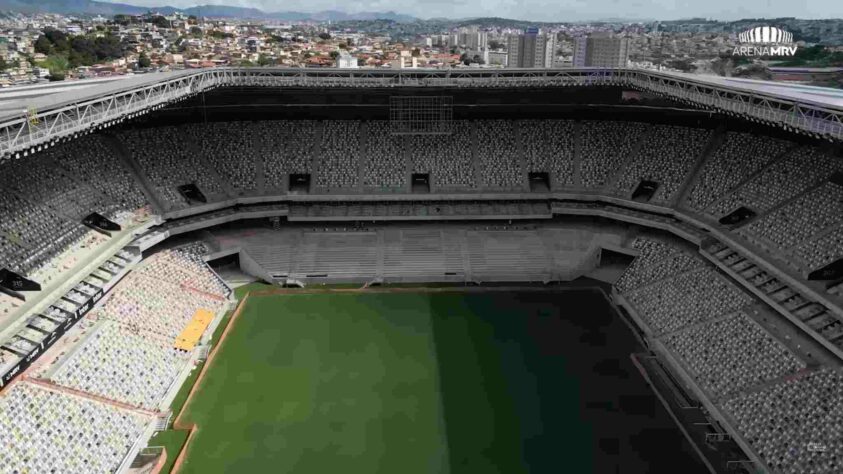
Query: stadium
(305, 270)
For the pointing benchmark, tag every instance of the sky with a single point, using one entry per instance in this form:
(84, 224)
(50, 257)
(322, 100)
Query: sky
(545, 10)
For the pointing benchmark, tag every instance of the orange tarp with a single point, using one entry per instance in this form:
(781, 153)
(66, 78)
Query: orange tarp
(191, 334)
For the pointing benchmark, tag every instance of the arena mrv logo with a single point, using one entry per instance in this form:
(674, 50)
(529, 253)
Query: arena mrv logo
(765, 41)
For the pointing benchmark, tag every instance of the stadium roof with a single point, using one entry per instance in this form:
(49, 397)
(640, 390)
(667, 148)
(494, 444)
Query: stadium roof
(36, 116)
(819, 96)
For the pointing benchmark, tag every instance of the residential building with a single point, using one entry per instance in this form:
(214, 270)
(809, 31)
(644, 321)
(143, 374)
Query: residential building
(346, 60)
(601, 50)
(531, 49)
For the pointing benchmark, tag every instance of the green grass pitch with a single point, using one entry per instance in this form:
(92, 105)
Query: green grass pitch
(322, 383)
(428, 382)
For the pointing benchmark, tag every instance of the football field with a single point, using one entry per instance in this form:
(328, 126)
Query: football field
(429, 382)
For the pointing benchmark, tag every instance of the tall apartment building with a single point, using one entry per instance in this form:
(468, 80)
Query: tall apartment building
(471, 38)
(601, 50)
(405, 60)
(533, 48)
(346, 60)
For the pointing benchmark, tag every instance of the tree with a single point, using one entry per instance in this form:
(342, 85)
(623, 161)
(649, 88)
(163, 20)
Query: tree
(324, 36)
(334, 54)
(264, 60)
(3, 64)
(143, 60)
(107, 47)
(56, 76)
(220, 34)
(43, 45)
(160, 21)
(494, 44)
(684, 65)
(195, 31)
(342, 46)
(56, 64)
(416, 52)
(56, 37)
(122, 19)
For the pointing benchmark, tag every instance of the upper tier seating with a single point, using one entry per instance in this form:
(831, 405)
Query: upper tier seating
(549, 147)
(666, 157)
(340, 155)
(498, 155)
(802, 218)
(385, 165)
(170, 159)
(288, 146)
(798, 170)
(739, 156)
(231, 148)
(449, 160)
(605, 148)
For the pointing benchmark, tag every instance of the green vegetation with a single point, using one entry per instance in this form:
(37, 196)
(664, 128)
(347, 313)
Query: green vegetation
(184, 391)
(216, 34)
(428, 383)
(814, 56)
(322, 383)
(161, 22)
(242, 291)
(65, 52)
(143, 60)
(172, 441)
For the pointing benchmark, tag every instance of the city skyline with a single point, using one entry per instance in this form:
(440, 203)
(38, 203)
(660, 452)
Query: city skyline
(544, 11)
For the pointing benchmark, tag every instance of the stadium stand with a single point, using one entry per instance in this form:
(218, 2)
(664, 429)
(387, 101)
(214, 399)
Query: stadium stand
(699, 315)
(549, 147)
(802, 218)
(498, 154)
(47, 431)
(800, 169)
(687, 298)
(385, 165)
(740, 156)
(288, 147)
(172, 162)
(605, 148)
(122, 364)
(231, 148)
(91, 159)
(822, 250)
(656, 260)
(795, 424)
(732, 353)
(666, 158)
(448, 160)
(340, 155)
